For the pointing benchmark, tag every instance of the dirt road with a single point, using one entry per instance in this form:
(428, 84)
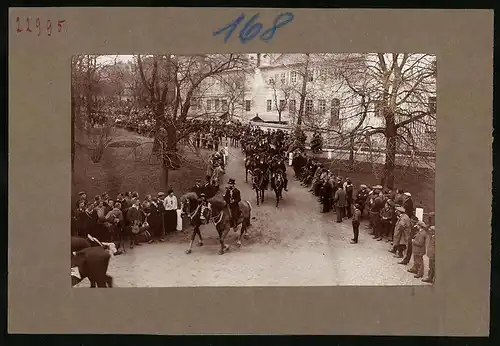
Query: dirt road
(293, 245)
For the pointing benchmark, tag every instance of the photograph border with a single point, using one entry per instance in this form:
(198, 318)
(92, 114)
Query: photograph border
(39, 171)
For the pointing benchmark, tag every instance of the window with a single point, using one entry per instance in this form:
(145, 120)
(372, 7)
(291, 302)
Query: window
(309, 106)
(322, 107)
(209, 105)
(293, 76)
(269, 104)
(282, 105)
(335, 112)
(291, 108)
(225, 106)
(247, 105)
(432, 104)
(271, 81)
(217, 104)
(283, 77)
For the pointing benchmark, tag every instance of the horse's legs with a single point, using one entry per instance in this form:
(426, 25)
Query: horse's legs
(258, 197)
(188, 251)
(223, 235)
(92, 283)
(200, 242)
(242, 231)
(109, 281)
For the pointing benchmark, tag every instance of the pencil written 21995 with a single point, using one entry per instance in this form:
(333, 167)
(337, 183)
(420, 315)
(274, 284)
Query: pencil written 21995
(39, 26)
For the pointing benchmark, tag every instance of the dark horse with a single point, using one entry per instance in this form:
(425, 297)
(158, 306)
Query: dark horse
(260, 183)
(277, 183)
(221, 218)
(249, 167)
(92, 260)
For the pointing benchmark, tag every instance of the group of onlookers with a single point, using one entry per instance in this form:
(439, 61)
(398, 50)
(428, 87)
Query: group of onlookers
(126, 216)
(390, 213)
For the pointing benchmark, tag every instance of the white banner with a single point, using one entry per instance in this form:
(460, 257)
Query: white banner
(419, 213)
(179, 220)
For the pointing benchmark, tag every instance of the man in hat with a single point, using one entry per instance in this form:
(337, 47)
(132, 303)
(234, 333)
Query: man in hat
(375, 209)
(401, 232)
(361, 198)
(408, 204)
(340, 202)
(414, 227)
(418, 244)
(349, 190)
(207, 187)
(233, 198)
(197, 188)
(356, 218)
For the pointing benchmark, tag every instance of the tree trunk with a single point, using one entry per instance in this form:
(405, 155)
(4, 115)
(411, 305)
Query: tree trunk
(164, 176)
(351, 152)
(390, 153)
(157, 137)
(173, 161)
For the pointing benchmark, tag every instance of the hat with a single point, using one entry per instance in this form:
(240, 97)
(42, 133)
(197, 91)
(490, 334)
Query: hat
(421, 224)
(407, 194)
(170, 191)
(81, 193)
(363, 186)
(378, 187)
(400, 209)
(202, 195)
(161, 194)
(198, 180)
(231, 181)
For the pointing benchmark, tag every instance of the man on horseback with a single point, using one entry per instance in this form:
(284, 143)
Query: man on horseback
(233, 198)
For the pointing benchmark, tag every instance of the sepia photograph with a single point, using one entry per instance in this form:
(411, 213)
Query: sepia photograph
(253, 169)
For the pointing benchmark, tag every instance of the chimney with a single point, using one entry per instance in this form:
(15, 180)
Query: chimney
(258, 59)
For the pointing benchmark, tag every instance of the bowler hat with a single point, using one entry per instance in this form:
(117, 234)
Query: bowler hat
(400, 209)
(202, 195)
(231, 181)
(407, 194)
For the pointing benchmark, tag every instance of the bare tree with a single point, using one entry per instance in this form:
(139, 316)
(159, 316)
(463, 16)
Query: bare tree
(172, 82)
(282, 90)
(402, 89)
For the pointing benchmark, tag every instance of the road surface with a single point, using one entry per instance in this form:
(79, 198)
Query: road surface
(293, 245)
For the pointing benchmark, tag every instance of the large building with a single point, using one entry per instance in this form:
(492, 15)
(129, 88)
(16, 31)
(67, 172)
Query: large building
(271, 87)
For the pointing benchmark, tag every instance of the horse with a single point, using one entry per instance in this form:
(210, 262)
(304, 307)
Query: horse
(260, 182)
(221, 218)
(249, 167)
(91, 257)
(277, 183)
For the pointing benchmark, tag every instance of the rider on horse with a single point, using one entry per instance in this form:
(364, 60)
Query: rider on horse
(233, 198)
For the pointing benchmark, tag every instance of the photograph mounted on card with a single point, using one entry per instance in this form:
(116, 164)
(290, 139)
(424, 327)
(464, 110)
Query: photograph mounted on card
(279, 162)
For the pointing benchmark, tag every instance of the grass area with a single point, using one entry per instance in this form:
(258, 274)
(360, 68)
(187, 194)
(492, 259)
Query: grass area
(127, 165)
(419, 182)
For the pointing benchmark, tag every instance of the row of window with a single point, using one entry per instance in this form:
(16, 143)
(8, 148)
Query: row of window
(292, 106)
(291, 76)
(211, 104)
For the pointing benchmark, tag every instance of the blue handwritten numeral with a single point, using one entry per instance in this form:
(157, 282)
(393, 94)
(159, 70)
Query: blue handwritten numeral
(230, 27)
(278, 23)
(251, 29)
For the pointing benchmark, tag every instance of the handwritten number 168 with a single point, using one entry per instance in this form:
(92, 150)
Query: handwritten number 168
(251, 29)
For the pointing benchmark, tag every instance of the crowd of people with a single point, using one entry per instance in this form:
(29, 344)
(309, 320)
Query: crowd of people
(390, 213)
